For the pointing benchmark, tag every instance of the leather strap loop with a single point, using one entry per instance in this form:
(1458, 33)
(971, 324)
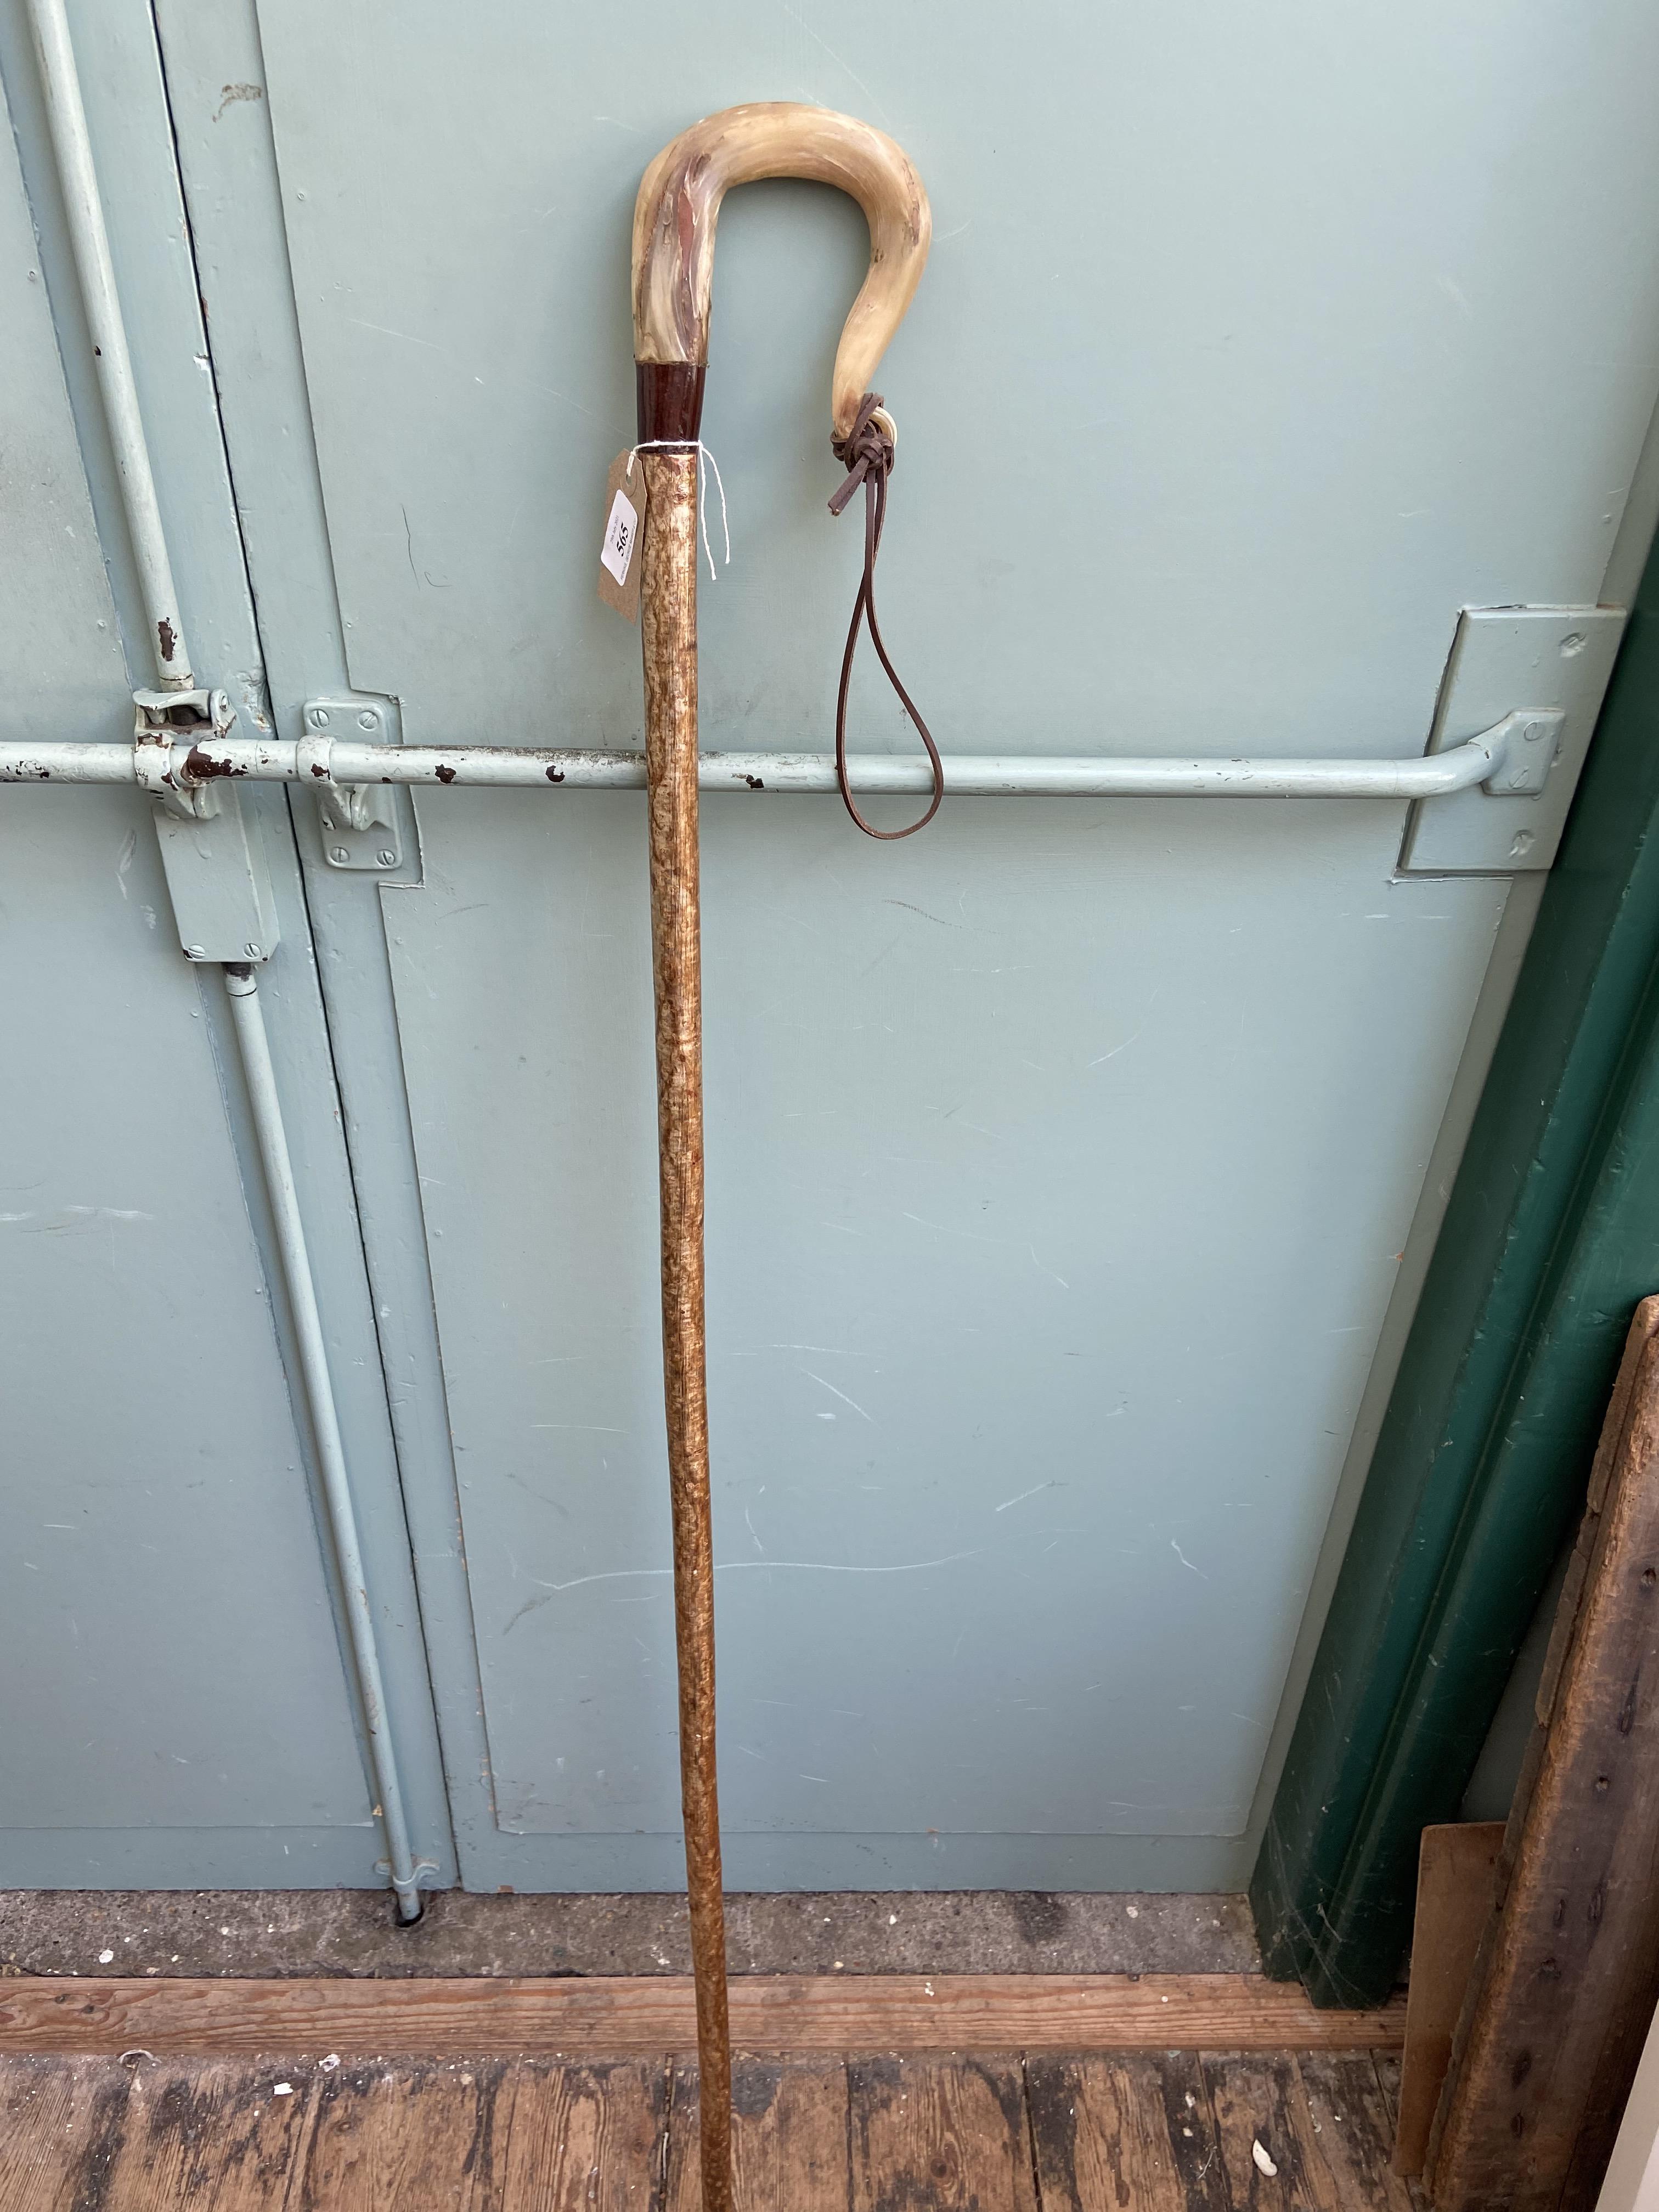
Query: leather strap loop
(866, 453)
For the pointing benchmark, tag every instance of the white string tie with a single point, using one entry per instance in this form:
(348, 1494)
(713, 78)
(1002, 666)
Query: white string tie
(690, 445)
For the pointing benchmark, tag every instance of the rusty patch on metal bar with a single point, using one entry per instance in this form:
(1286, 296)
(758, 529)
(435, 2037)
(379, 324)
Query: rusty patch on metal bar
(201, 766)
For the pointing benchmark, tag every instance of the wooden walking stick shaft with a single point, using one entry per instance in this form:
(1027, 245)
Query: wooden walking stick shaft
(674, 222)
(668, 604)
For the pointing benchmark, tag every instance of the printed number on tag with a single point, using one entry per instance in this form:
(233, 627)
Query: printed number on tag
(622, 565)
(622, 532)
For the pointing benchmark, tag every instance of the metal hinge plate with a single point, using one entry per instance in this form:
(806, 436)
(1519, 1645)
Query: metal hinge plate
(1551, 664)
(211, 851)
(219, 883)
(360, 827)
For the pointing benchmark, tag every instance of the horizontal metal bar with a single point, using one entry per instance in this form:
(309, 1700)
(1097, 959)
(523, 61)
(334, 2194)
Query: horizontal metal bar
(1429, 776)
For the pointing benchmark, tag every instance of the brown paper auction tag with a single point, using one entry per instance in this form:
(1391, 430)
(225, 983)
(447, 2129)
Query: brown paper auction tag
(624, 526)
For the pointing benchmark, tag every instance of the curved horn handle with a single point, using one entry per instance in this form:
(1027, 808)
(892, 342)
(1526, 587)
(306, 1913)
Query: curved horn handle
(674, 220)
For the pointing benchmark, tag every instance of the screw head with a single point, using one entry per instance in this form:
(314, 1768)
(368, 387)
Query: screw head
(195, 953)
(340, 854)
(251, 950)
(318, 717)
(367, 719)
(388, 858)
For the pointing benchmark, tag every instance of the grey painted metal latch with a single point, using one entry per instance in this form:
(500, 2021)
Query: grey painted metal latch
(359, 822)
(217, 876)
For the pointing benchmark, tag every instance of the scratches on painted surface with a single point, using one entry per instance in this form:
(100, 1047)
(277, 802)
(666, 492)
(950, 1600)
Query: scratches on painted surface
(944, 1229)
(841, 1395)
(937, 921)
(797, 16)
(381, 330)
(826, 1350)
(1036, 1491)
(70, 1220)
(550, 1590)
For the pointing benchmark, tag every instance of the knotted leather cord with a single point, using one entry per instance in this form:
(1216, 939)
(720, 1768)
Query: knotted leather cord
(866, 452)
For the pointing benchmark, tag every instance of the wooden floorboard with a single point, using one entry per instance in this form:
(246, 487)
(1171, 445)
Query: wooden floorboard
(582, 2015)
(209, 2133)
(1132, 2129)
(939, 2135)
(789, 2136)
(416, 2133)
(1391, 2075)
(1148, 2131)
(1304, 2130)
(1353, 2119)
(60, 2122)
(592, 2137)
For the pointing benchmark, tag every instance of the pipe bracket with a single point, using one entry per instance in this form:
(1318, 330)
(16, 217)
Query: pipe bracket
(167, 725)
(359, 822)
(423, 1873)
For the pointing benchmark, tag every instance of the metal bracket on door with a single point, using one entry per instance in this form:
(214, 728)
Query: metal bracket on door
(1557, 659)
(217, 876)
(359, 822)
(162, 720)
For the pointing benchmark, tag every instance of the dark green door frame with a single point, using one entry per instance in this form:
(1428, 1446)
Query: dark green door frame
(1550, 1237)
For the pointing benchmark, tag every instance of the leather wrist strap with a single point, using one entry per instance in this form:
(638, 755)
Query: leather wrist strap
(866, 452)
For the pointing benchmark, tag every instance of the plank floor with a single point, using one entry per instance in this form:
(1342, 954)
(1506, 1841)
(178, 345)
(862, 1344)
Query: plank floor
(1128, 2132)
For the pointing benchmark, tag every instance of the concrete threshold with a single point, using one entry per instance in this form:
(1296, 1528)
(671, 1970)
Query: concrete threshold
(278, 1934)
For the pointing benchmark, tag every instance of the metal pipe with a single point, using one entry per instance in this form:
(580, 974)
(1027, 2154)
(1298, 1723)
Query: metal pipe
(1428, 776)
(72, 143)
(242, 984)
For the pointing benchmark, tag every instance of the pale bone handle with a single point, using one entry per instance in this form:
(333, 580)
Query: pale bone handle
(678, 206)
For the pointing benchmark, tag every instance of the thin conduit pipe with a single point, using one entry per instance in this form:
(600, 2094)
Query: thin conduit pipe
(78, 174)
(1429, 775)
(71, 144)
(260, 1073)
